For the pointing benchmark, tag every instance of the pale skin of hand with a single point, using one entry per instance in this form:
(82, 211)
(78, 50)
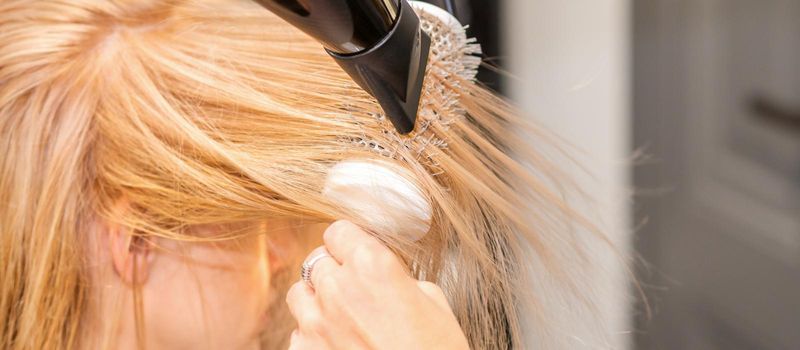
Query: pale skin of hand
(364, 299)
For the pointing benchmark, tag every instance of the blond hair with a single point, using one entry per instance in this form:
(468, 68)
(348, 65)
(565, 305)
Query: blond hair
(205, 112)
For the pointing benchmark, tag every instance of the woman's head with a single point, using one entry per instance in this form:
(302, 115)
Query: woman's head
(164, 293)
(168, 142)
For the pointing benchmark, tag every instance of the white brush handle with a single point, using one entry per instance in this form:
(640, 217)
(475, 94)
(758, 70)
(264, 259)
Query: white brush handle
(377, 192)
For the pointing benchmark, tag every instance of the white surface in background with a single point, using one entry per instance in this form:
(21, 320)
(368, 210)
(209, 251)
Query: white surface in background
(570, 60)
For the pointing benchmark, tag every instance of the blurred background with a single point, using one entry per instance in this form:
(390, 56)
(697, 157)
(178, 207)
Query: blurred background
(687, 112)
(716, 106)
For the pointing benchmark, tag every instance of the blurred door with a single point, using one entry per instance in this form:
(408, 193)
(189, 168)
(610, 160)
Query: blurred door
(717, 106)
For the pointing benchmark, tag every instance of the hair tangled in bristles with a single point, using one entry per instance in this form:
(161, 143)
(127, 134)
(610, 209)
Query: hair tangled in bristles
(204, 112)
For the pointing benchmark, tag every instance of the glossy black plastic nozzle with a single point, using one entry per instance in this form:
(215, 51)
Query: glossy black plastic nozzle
(379, 43)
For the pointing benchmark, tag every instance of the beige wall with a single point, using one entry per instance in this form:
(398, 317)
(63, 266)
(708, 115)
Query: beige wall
(571, 61)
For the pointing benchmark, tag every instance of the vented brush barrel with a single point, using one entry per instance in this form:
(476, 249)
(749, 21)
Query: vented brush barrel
(379, 43)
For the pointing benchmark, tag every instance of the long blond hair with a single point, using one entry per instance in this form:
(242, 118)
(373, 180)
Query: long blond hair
(205, 112)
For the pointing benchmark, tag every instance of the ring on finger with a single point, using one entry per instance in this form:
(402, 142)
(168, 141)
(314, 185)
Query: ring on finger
(308, 267)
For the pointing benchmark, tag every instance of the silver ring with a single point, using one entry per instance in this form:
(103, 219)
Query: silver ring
(308, 267)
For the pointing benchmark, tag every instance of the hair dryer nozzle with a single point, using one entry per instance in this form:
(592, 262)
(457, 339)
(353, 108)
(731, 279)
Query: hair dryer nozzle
(393, 71)
(378, 43)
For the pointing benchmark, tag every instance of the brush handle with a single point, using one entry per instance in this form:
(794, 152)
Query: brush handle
(342, 26)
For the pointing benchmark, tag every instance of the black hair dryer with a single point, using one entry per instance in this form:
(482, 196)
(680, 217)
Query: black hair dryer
(379, 43)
